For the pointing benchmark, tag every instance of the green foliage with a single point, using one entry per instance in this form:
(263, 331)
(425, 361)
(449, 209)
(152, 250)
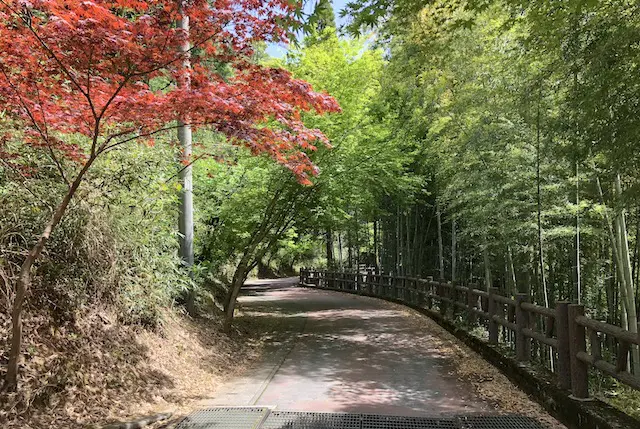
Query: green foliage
(321, 24)
(364, 163)
(511, 112)
(116, 246)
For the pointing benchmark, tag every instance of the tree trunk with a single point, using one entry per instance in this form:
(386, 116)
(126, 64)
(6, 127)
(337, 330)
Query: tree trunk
(185, 222)
(487, 265)
(440, 246)
(634, 267)
(24, 280)
(408, 258)
(398, 242)
(453, 250)
(349, 249)
(356, 244)
(329, 243)
(543, 278)
(239, 277)
(512, 272)
(376, 246)
(415, 253)
(578, 273)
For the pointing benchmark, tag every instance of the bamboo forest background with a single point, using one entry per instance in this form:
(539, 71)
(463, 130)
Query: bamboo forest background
(520, 127)
(519, 121)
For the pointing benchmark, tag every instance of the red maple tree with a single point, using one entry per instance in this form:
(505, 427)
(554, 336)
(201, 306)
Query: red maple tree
(88, 67)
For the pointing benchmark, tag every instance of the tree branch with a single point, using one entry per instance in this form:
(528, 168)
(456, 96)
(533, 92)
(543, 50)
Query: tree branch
(65, 70)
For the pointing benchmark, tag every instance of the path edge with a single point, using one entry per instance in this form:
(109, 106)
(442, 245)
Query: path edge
(592, 414)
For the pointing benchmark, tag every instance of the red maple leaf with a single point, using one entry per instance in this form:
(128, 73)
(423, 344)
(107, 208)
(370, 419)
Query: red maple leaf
(69, 66)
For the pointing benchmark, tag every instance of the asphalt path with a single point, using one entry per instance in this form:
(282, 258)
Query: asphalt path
(344, 353)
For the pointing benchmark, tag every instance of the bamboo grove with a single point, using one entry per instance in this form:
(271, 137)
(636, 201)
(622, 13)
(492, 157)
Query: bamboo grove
(520, 122)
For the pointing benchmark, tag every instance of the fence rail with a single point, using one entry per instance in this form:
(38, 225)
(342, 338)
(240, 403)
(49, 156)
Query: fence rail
(573, 341)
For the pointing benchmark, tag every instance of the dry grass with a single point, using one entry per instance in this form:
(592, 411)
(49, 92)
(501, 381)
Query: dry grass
(97, 370)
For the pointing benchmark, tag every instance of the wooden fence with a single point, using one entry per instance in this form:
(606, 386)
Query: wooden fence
(573, 340)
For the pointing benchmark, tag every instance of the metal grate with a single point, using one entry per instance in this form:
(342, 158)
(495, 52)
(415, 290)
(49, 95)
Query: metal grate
(225, 418)
(498, 422)
(264, 418)
(371, 421)
(303, 420)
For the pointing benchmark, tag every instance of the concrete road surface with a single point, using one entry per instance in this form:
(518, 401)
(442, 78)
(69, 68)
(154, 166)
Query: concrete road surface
(340, 352)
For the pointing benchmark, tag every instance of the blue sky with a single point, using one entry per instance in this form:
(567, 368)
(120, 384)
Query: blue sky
(278, 50)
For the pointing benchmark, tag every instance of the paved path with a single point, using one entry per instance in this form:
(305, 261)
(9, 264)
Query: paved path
(339, 352)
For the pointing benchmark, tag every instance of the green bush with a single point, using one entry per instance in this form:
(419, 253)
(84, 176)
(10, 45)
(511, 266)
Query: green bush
(117, 244)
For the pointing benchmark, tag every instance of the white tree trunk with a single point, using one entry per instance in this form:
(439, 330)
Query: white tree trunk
(185, 222)
(578, 265)
(186, 199)
(487, 265)
(453, 250)
(512, 271)
(440, 246)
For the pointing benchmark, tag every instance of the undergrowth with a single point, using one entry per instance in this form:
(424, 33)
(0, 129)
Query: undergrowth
(109, 268)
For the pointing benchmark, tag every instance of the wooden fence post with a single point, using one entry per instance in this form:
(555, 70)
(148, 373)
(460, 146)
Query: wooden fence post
(453, 295)
(419, 292)
(428, 292)
(413, 295)
(385, 282)
(564, 354)
(523, 344)
(472, 301)
(442, 294)
(577, 344)
(493, 325)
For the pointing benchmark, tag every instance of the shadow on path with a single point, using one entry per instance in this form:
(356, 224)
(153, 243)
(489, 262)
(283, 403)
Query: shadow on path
(353, 354)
